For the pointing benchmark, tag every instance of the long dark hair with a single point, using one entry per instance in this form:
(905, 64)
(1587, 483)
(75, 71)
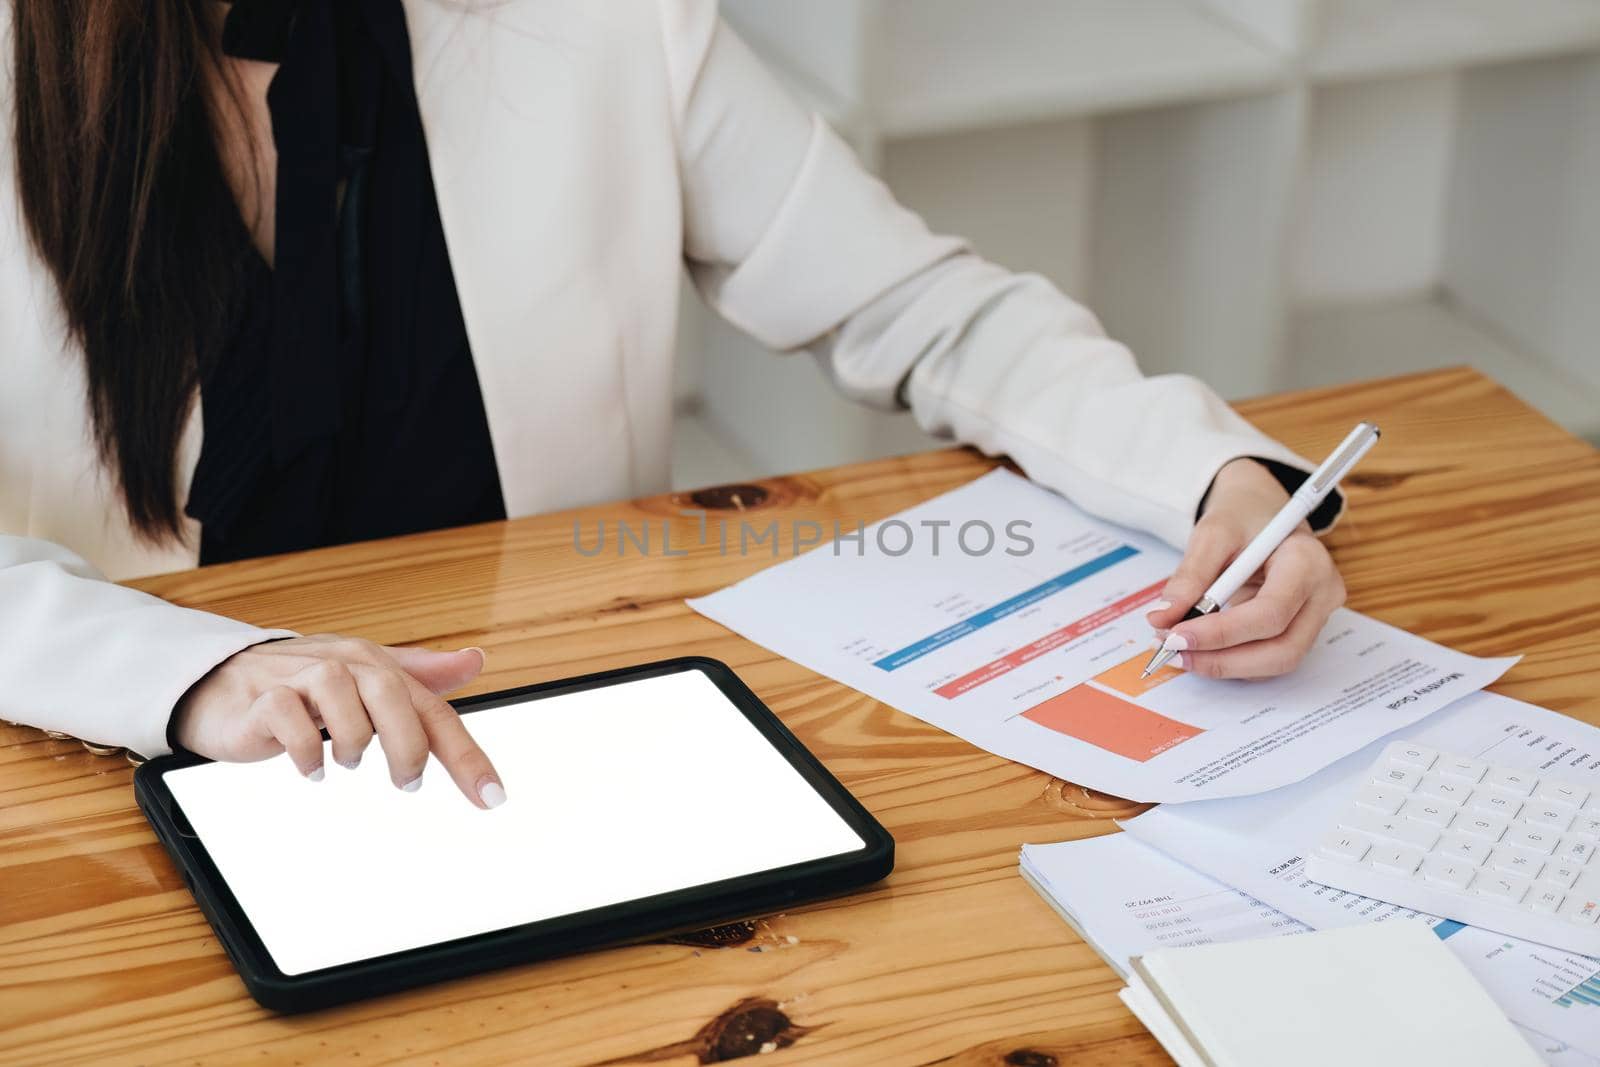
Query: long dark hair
(129, 207)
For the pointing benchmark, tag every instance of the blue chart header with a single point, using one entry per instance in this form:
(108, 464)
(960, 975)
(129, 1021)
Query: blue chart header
(999, 611)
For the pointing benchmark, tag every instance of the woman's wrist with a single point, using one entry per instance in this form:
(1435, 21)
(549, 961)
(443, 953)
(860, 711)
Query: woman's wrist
(1243, 478)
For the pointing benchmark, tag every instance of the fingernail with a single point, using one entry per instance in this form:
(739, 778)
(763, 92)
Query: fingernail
(1184, 661)
(316, 774)
(491, 793)
(349, 764)
(1160, 605)
(1177, 642)
(413, 785)
(484, 656)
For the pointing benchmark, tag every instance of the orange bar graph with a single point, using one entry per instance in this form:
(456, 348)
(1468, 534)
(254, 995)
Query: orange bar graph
(1125, 676)
(1111, 723)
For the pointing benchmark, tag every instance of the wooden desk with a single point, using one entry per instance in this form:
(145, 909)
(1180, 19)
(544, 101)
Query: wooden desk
(1477, 523)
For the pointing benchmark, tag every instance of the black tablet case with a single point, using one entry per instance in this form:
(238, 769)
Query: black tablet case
(615, 924)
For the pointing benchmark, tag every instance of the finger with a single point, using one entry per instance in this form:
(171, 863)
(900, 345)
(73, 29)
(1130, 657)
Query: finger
(388, 702)
(287, 718)
(449, 740)
(332, 692)
(1243, 596)
(1269, 658)
(1266, 615)
(439, 671)
(1212, 544)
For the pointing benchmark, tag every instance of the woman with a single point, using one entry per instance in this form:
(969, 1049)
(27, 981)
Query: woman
(281, 274)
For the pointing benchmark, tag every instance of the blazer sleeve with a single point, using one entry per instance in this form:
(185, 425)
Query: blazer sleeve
(96, 660)
(792, 241)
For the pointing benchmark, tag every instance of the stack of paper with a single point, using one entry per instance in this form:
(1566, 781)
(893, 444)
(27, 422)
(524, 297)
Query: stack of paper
(1005, 615)
(1231, 870)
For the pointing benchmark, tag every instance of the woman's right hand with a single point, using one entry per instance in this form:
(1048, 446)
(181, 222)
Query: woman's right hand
(278, 696)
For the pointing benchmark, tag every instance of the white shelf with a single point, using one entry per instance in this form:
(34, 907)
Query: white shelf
(1263, 193)
(1344, 343)
(954, 64)
(1373, 38)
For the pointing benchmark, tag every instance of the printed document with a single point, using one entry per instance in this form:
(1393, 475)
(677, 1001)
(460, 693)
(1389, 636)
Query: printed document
(1007, 616)
(1127, 899)
(1258, 845)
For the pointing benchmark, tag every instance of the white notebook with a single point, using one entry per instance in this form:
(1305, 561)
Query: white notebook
(1376, 995)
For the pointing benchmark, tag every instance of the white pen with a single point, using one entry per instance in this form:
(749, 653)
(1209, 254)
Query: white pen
(1304, 501)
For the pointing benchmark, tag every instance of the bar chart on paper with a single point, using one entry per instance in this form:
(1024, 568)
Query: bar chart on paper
(1045, 656)
(1585, 994)
(1033, 651)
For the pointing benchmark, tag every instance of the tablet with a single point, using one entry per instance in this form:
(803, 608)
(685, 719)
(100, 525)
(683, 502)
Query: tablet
(640, 801)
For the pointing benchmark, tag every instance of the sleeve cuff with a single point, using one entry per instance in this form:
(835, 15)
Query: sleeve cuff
(1322, 519)
(151, 737)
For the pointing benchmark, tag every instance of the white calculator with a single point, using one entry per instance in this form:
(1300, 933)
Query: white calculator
(1502, 848)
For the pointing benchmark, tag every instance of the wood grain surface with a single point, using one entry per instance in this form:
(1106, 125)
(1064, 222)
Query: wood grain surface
(1476, 523)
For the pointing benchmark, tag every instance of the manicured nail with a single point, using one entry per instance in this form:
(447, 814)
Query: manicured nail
(1177, 642)
(1160, 605)
(349, 764)
(482, 655)
(491, 793)
(316, 774)
(413, 785)
(1185, 661)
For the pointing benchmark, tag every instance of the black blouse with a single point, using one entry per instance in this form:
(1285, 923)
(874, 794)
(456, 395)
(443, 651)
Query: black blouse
(346, 407)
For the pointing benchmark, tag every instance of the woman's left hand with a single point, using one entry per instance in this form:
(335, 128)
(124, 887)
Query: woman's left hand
(1270, 624)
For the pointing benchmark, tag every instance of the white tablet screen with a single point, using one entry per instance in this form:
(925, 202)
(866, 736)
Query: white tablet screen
(614, 794)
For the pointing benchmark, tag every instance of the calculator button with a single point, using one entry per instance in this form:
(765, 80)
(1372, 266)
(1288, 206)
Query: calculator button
(1575, 850)
(1404, 779)
(1467, 849)
(1561, 874)
(1468, 770)
(1395, 859)
(1506, 888)
(1587, 824)
(1441, 871)
(1419, 756)
(1400, 831)
(1384, 801)
(1565, 792)
(1579, 909)
(1588, 884)
(1429, 811)
(1544, 899)
(1494, 804)
(1539, 841)
(1550, 815)
(1517, 783)
(1488, 827)
(1515, 861)
(1344, 845)
(1450, 790)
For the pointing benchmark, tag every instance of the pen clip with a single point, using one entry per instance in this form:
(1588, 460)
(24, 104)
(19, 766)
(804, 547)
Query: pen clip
(1354, 446)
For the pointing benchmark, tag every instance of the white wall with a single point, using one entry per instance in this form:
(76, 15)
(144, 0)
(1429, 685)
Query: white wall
(1369, 222)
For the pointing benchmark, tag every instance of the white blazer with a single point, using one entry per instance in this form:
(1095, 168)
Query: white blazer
(583, 153)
